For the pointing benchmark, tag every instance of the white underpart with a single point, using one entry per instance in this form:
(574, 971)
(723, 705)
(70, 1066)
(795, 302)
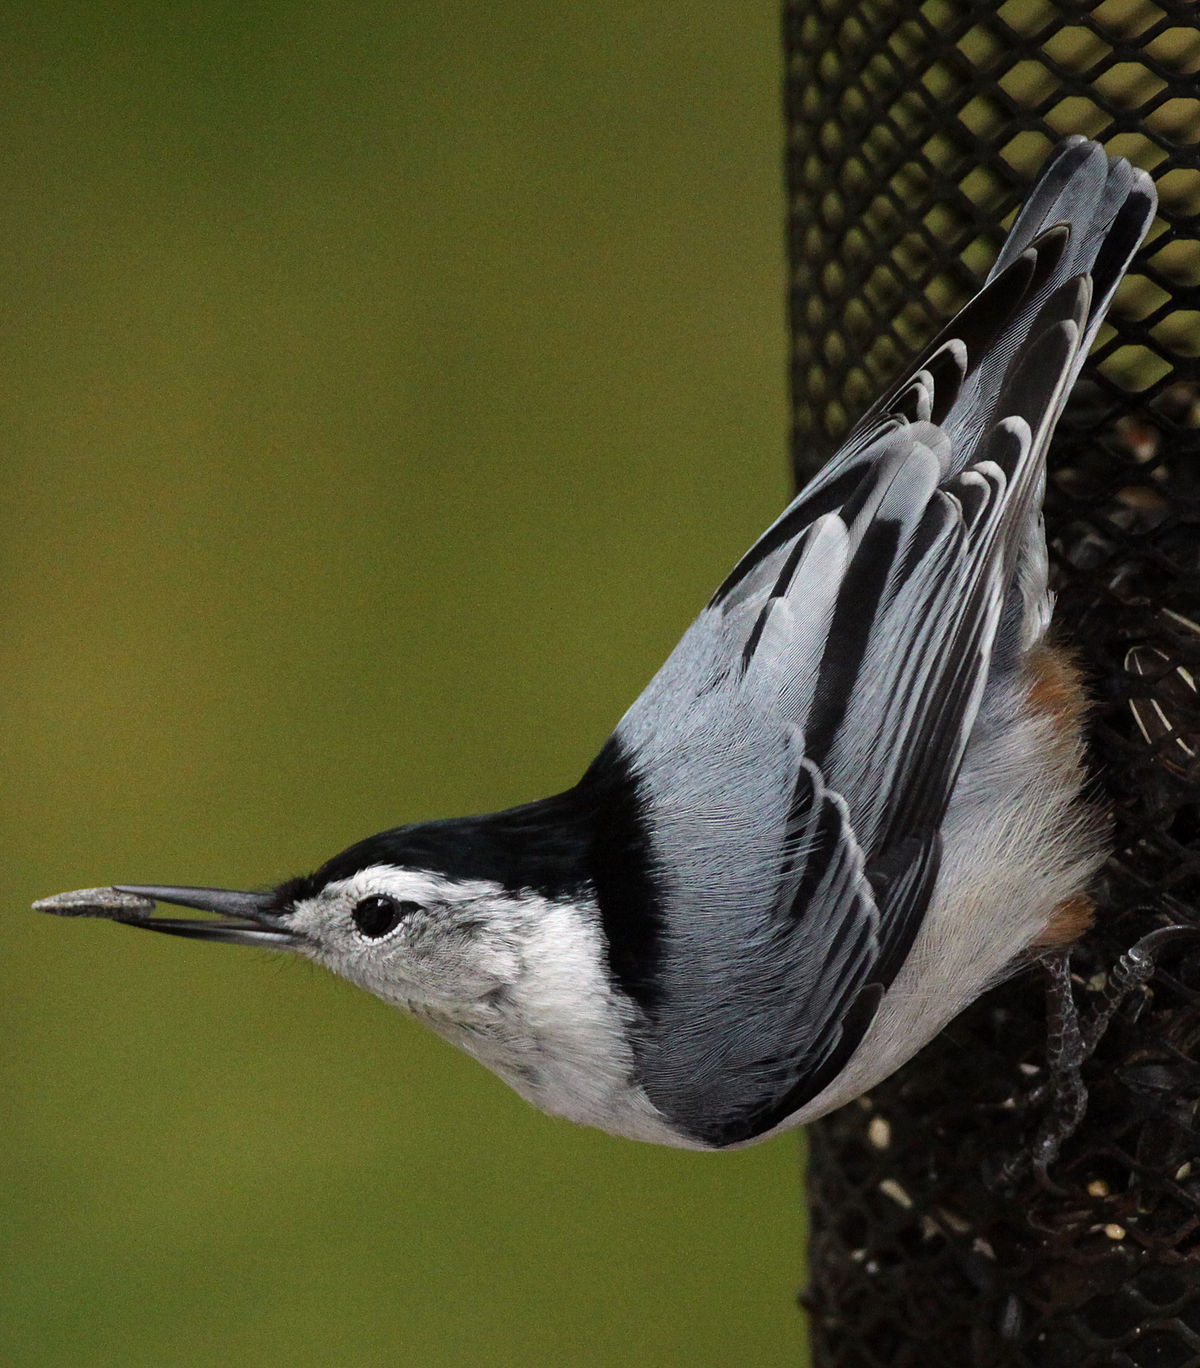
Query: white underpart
(516, 981)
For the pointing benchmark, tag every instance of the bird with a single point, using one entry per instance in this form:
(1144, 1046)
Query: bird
(851, 800)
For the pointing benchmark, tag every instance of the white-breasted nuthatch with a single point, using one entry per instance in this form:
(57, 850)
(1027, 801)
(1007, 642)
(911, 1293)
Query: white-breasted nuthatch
(848, 803)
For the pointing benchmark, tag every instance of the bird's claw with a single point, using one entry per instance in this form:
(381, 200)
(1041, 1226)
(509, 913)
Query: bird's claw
(1071, 1043)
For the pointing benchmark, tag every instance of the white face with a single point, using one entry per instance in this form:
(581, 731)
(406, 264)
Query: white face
(515, 979)
(414, 938)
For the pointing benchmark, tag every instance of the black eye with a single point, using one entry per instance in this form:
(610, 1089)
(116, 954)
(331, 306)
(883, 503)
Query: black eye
(377, 915)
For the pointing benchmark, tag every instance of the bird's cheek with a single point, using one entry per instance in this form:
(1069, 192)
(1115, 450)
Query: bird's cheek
(368, 969)
(403, 974)
(452, 974)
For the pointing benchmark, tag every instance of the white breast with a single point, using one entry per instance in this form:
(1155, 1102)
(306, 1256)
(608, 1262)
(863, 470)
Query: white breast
(555, 1031)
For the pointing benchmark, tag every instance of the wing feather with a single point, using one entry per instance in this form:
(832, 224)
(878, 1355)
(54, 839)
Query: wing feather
(798, 751)
(727, 1090)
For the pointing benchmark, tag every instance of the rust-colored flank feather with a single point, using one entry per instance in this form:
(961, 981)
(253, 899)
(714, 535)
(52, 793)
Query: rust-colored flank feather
(1056, 688)
(1069, 920)
(1056, 691)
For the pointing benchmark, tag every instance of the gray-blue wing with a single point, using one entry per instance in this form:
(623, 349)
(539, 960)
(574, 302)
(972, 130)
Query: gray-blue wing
(796, 754)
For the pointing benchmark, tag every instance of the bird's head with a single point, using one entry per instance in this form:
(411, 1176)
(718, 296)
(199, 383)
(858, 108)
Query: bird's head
(423, 938)
(516, 936)
(435, 917)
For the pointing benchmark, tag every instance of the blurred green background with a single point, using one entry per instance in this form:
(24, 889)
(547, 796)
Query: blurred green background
(384, 388)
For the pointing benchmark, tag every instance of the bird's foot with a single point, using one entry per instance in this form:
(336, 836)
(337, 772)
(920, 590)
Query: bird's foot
(1070, 1043)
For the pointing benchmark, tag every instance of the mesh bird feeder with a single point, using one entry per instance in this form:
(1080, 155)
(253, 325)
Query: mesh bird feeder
(915, 128)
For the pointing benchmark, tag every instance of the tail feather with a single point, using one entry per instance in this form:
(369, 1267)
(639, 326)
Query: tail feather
(1105, 203)
(1083, 221)
(1063, 259)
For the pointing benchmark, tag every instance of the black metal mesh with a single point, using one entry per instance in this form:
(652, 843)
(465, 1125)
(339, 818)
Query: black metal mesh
(915, 130)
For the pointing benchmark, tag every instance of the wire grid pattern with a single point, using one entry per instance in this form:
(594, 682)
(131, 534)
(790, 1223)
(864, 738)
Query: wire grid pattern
(915, 129)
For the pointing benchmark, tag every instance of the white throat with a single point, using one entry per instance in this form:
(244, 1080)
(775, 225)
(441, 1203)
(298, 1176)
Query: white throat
(557, 1032)
(517, 980)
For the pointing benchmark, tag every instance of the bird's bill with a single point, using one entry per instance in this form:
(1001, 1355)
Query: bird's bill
(241, 918)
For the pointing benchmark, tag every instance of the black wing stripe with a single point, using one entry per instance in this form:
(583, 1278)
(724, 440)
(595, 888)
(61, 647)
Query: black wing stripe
(903, 902)
(1122, 241)
(933, 754)
(931, 697)
(944, 533)
(913, 402)
(799, 824)
(876, 726)
(934, 525)
(1034, 385)
(782, 584)
(918, 787)
(979, 324)
(828, 499)
(947, 366)
(756, 633)
(849, 633)
(1048, 248)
